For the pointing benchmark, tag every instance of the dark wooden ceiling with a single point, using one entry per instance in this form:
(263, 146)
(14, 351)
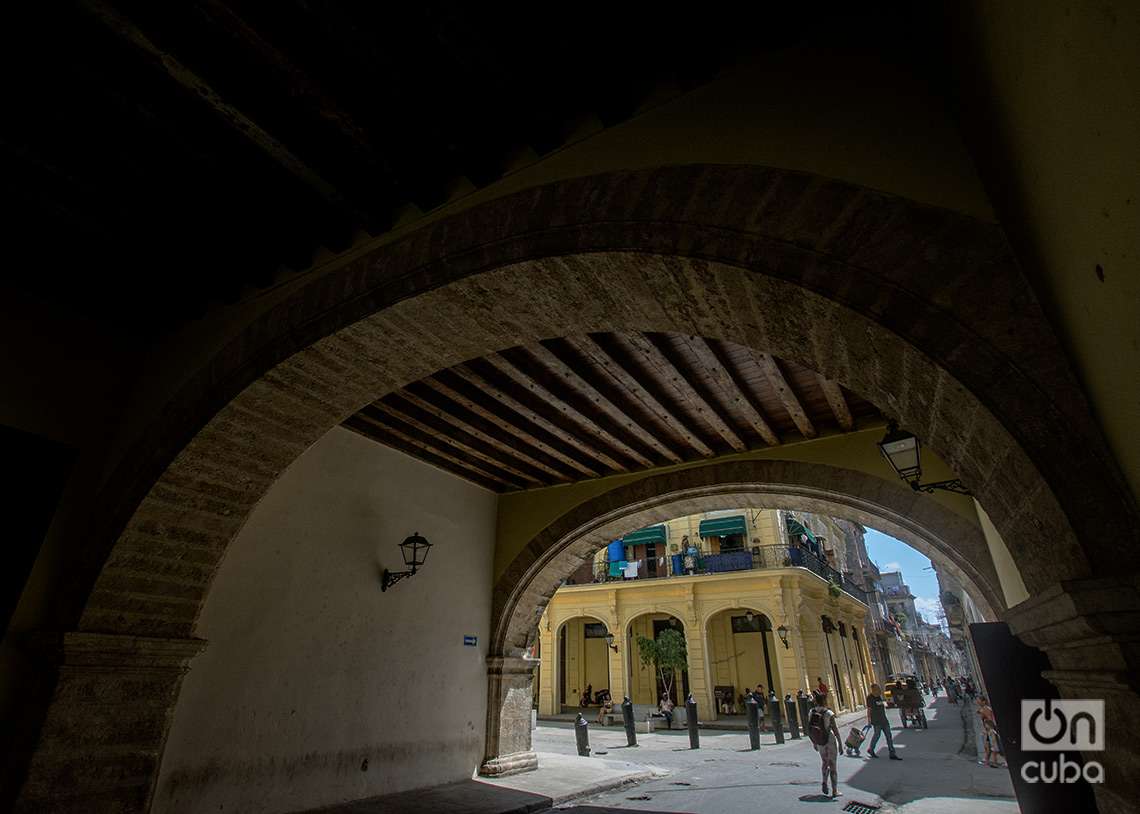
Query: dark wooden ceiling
(163, 156)
(160, 158)
(581, 407)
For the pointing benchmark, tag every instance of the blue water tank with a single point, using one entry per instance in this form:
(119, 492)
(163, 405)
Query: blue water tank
(616, 551)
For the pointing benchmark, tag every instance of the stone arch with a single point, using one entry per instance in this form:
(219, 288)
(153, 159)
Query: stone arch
(531, 579)
(557, 662)
(856, 284)
(721, 607)
(669, 610)
(921, 310)
(633, 661)
(776, 658)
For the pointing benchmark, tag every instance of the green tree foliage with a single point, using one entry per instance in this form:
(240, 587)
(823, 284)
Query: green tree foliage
(666, 654)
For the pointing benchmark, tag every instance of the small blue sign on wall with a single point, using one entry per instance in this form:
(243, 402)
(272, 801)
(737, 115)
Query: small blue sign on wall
(470, 641)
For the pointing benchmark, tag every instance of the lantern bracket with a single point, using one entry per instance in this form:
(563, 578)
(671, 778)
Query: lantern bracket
(390, 578)
(954, 485)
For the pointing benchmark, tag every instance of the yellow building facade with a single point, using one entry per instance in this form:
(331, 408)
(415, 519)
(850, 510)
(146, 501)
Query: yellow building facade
(735, 625)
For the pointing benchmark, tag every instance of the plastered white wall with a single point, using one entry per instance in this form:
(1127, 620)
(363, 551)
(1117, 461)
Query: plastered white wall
(310, 670)
(1012, 585)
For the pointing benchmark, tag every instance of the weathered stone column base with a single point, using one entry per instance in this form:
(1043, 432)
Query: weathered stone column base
(507, 750)
(1090, 630)
(509, 764)
(101, 743)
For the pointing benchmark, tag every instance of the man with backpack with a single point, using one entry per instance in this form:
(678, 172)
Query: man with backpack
(877, 718)
(824, 735)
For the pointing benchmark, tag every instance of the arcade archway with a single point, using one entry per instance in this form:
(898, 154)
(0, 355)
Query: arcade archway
(835, 287)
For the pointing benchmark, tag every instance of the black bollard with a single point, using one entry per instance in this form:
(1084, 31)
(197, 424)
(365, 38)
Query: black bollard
(753, 710)
(777, 717)
(793, 725)
(691, 719)
(627, 719)
(582, 735)
(805, 708)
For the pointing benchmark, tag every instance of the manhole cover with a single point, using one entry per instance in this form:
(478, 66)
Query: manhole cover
(855, 807)
(642, 797)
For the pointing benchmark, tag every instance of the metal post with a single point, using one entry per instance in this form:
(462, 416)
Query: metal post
(627, 719)
(805, 708)
(582, 735)
(777, 717)
(691, 719)
(793, 724)
(753, 710)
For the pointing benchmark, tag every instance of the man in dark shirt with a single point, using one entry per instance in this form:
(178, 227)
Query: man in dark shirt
(877, 718)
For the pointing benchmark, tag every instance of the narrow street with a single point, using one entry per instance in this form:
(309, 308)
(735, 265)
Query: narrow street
(723, 777)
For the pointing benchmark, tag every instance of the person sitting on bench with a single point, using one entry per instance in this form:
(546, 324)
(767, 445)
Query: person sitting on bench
(605, 709)
(666, 708)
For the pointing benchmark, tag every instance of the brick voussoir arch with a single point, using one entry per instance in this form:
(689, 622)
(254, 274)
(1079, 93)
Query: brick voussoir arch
(523, 591)
(943, 281)
(920, 310)
(905, 266)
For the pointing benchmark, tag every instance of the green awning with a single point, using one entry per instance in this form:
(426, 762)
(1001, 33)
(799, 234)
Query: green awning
(646, 536)
(723, 526)
(795, 527)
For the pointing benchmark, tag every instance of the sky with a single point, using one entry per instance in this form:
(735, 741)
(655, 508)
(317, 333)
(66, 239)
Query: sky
(893, 555)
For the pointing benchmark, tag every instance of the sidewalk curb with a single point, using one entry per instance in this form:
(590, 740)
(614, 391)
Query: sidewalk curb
(606, 785)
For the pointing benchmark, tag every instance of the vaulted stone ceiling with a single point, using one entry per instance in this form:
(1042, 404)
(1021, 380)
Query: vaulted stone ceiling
(580, 407)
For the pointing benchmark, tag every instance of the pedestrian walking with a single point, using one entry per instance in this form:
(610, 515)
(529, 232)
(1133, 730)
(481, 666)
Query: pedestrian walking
(824, 735)
(990, 737)
(877, 718)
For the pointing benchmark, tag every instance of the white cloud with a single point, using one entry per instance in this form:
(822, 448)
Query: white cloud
(929, 608)
(891, 566)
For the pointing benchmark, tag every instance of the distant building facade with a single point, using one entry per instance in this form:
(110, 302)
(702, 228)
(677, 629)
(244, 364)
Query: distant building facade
(757, 604)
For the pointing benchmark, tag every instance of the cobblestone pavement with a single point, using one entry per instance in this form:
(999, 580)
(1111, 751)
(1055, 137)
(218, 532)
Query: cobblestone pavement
(936, 776)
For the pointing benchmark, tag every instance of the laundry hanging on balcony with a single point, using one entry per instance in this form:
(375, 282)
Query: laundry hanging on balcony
(801, 534)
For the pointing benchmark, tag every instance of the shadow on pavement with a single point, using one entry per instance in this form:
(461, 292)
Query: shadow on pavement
(931, 766)
(609, 809)
(464, 797)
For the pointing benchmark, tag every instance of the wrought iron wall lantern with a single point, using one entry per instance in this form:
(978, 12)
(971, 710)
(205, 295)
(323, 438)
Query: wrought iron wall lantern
(903, 452)
(610, 642)
(782, 631)
(414, 550)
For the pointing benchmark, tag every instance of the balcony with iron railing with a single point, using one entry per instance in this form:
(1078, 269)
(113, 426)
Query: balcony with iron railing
(756, 558)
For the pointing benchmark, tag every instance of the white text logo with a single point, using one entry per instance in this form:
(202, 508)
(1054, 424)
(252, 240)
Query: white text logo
(1049, 725)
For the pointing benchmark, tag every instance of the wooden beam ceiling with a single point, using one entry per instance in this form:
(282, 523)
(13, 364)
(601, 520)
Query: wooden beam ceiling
(201, 151)
(582, 407)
